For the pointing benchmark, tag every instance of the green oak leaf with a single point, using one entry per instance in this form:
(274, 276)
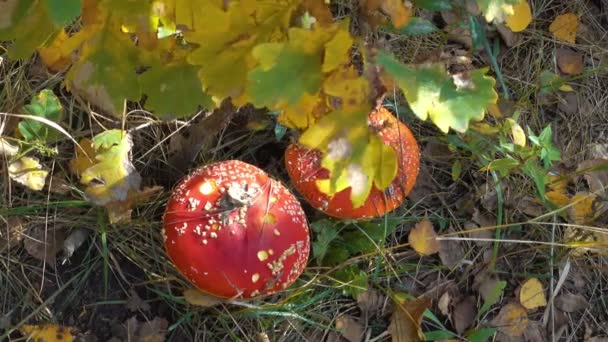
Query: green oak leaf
(162, 83)
(105, 74)
(44, 105)
(294, 73)
(354, 156)
(449, 101)
(63, 11)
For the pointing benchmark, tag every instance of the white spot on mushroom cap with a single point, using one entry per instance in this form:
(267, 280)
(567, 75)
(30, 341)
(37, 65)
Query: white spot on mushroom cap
(356, 178)
(207, 188)
(339, 148)
(255, 277)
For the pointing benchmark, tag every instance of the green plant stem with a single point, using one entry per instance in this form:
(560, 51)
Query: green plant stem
(499, 213)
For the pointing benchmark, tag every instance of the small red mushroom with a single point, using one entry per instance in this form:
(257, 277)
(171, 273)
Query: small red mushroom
(234, 232)
(304, 168)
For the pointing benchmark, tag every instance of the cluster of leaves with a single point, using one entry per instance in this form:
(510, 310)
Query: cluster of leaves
(289, 55)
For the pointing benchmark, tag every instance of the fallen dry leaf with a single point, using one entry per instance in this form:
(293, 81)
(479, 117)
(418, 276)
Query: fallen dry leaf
(76, 238)
(48, 333)
(27, 171)
(132, 329)
(564, 27)
(350, 328)
(569, 62)
(568, 103)
(44, 244)
(512, 320)
(444, 303)
(595, 172)
(199, 298)
(486, 285)
(12, 232)
(370, 302)
(532, 294)
(463, 314)
(581, 209)
(557, 198)
(451, 252)
(399, 11)
(406, 319)
(423, 238)
(135, 303)
(570, 302)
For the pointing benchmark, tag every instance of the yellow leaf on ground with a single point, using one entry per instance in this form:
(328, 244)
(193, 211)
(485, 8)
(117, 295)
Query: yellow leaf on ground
(28, 171)
(47, 333)
(557, 198)
(521, 17)
(532, 294)
(581, 211)
(512, 320)
(199, 298)
(422, 238)
(53, 55)
(564, 27)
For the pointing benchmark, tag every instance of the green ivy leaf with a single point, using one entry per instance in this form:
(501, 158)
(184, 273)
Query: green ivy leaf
(450, 101)
(44, 105)
(178, 81)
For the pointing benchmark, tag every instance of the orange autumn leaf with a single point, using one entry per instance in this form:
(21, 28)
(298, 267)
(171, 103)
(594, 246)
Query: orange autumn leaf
(422, 238)
(53, 56)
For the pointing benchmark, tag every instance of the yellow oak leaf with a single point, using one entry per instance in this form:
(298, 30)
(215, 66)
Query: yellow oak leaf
(48, 333)
(532, 294)
(521, 17)
(348, 87)
(53, 56)
(517, 133)
(337, 49)
(301, 115)
(564, 27)
(422, 238)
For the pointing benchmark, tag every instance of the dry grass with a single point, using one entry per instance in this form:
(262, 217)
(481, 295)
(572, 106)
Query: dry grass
(92, 289)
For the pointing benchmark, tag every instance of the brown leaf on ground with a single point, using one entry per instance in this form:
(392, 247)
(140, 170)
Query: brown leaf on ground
(11, 234)
(350, 328)
(509, 37)
(44, 244)
(424, 188)
(530, 206)
(535, 333)
(451, 252)
(463, 314)
(569, 62)
(444, 303)
(371, 302)
(597, 180)
(512, 320)
(405, 321)
(59, 185)
(132, 329)
(423, 238)
(486, 284)
(135, 303)
(570, 302)
(185, 145)
(568, 103)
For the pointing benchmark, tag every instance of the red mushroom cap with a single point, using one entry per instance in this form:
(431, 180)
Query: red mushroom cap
(234, 232)
(304, 168)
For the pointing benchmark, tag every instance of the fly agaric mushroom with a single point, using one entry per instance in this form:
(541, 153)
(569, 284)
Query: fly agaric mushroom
(234, 232)
(304, 168)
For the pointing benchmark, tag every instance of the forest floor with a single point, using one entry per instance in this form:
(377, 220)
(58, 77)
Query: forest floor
(119, 285)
